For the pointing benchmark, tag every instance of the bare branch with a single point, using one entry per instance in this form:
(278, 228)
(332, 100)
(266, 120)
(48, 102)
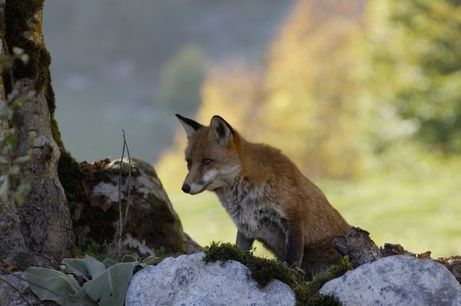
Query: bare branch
(128, 199)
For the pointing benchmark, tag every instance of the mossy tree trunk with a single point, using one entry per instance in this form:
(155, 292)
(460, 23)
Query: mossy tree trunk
(11, 240)
(42, 225)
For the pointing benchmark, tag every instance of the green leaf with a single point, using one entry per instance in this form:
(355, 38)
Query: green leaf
(14, 170)
(77, 267)
(129, 258)
(80, 299)
(94, 266)
(152, 260)
(5, 113)
(108, 262)
(109, 288)
(3, 160)
(4, 187)
(52, 285)
(11, 140)
(22, 159)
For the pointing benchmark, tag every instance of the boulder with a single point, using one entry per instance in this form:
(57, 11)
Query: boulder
(187, 280)
(396, 280)
(453, 264)
(151, 222)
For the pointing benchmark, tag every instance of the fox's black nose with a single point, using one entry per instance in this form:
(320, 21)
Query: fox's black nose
(185, 188)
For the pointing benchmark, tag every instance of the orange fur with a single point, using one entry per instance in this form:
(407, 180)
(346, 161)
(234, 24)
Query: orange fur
(265, 193)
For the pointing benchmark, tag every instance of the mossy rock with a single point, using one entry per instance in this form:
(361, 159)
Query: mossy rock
(151, 223)
(264, 270)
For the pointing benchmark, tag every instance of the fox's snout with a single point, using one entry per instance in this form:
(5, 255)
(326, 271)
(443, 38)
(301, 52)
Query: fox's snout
(192, 188)
(185, 187)
(196, 183)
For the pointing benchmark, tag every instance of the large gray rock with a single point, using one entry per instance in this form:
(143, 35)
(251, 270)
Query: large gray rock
(187, 280)
(396, 280)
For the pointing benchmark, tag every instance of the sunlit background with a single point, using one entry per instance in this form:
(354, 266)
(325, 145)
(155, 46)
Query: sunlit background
(365, 96)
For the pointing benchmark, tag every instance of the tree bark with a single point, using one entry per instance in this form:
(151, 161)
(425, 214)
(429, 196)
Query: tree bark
(44, 220)
(11, 239)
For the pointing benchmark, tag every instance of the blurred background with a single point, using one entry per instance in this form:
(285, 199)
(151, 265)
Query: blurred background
(365, 96)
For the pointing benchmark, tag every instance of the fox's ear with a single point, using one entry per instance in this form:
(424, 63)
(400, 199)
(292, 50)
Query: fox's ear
(190, 126)
(222, 130)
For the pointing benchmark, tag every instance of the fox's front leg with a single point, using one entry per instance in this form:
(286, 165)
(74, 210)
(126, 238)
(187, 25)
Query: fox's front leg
(295, 243)
(243, 242)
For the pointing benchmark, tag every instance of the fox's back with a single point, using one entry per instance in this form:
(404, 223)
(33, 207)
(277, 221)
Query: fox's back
(272, 182)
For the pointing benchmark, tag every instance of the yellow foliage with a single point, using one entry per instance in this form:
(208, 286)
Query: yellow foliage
(171, 167)
(308, 102)
(233, 92)
(314, 111)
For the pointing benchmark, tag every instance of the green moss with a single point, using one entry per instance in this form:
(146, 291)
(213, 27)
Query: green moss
(56, 134)
(96, 250)
(18, 17)
(264, 270)
(309, 291)
(71, 176)
(159, 225)
(75, 250)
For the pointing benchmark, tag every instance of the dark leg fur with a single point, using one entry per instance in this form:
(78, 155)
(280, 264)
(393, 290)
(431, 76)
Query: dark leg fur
(295, 247)
(318, 258)
(243, 242)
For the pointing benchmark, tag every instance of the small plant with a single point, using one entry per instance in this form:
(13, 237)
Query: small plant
(86, 281)
(264, 270)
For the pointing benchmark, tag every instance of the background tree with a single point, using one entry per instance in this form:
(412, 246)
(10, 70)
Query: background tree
(181, 79)
(313, 86)
(415, 68)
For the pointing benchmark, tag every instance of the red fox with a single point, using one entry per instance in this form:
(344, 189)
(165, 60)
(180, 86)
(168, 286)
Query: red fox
(266, 195)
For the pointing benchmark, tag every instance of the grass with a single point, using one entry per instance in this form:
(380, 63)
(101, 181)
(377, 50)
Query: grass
(418, 207)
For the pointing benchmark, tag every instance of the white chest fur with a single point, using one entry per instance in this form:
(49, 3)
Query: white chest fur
(255, 210)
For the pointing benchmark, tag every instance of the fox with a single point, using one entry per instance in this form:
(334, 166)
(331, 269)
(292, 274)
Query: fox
(265, 194)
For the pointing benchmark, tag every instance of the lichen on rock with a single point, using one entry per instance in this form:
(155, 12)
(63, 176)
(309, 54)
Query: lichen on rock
(151, 223)
(396, 280)
(187, 280)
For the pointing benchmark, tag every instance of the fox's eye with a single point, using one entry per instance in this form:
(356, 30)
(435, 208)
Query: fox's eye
(189, 163)
(207, 161)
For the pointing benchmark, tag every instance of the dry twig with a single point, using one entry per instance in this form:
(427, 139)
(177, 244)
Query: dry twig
(122, 219)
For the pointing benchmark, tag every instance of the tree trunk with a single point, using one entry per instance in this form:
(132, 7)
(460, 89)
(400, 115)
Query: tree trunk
(11, 239)
(44, 221)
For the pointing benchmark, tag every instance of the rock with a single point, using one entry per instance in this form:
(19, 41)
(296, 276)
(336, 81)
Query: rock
(187, 280)
(453, 264)
(21, 295)
(396, 280)
(358, 246)
(151, 223)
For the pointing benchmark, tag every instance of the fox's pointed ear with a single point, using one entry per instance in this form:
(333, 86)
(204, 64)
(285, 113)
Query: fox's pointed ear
(190, 126)
(221, 129)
